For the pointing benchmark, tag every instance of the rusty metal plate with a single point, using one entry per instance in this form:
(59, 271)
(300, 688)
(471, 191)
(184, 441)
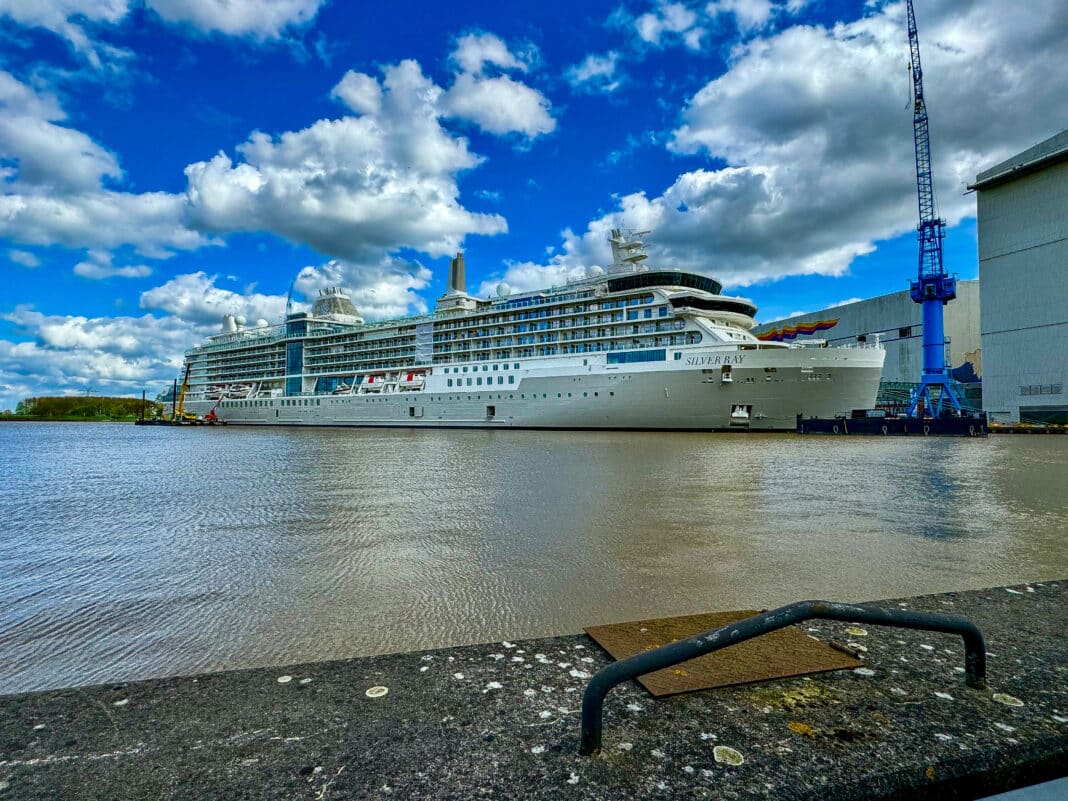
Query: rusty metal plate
(777, 655)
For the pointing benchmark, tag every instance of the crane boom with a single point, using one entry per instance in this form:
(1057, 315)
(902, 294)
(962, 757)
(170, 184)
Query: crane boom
(931, 228)
(932, 288)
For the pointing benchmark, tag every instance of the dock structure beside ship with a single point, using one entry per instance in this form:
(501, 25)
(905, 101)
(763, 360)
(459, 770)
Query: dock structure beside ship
(626, 347)
(875, 422)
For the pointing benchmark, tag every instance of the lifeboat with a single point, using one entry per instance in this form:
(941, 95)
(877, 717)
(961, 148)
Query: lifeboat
(239, 390)
(411, 380)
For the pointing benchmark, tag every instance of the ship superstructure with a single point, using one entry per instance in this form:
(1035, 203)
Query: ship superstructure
(625, 347)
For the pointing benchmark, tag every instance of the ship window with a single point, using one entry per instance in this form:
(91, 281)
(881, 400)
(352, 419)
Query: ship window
(494, 368)
(479, 381)
(678, 356)
(469, 382)
(485, 368)
(905, 333)
(595, 394)
(505, 366)
(465, 369)
(612, 394)
(632, 315)
(516, 366)
(500, 379)
(511, 379)
(623, 357)
(450, 382)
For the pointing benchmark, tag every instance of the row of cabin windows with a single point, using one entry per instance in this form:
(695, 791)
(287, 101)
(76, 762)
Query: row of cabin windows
(485, 369)
(534, 396)
(495, 317)
(442, 335)
(478, 381)
(317, 401)
(252, 404)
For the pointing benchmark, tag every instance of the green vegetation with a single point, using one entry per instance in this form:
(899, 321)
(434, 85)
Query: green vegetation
(82, 407)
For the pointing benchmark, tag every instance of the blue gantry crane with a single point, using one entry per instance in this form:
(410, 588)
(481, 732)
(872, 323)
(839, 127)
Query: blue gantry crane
(933, 287)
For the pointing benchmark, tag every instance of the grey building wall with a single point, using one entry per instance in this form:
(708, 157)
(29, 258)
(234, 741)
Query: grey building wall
(898, 321)
(1023, 270)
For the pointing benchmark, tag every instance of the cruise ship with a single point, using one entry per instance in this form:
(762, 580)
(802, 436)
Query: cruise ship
(627, 347)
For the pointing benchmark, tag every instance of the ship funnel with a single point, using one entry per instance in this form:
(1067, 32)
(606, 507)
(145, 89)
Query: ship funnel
(457, 279)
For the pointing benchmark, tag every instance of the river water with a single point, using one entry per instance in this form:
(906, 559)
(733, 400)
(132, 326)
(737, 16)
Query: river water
(130, 552)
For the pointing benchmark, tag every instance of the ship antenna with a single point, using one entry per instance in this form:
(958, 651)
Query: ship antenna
(289, 300)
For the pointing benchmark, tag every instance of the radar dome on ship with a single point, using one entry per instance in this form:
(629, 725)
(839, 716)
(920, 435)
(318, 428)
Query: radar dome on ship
(503, 290)
(595, 270)
(261, 323)
(240, 319)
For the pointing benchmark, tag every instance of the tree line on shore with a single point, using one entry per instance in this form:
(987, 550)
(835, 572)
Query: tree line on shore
(84, 407)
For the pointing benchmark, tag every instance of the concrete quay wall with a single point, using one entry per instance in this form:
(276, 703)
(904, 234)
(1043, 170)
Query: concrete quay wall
(501, 721)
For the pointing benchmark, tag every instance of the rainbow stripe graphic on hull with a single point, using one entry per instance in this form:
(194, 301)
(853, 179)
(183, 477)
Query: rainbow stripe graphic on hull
(789, 332)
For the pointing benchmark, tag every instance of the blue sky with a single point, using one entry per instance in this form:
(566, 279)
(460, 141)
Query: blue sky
(168, 161)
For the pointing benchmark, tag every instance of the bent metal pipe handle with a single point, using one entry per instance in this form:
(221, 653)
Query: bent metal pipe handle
(714, 640)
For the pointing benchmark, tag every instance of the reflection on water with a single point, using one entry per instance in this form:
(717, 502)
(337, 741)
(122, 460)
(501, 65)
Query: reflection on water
(133, 552)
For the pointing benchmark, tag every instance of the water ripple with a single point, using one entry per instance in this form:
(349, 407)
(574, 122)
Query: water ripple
(131, 553)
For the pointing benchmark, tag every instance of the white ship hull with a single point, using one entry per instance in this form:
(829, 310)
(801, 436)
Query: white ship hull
(763, 389)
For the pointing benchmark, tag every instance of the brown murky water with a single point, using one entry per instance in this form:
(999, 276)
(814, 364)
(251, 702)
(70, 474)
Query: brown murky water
(132, 553)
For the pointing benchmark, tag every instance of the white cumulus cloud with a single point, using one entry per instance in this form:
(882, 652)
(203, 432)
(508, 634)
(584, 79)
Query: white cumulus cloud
(752, 15)
(670, 22)
(595, 73)
(499, 105)
(355, 187)
(48, 155)
(56, 195)
(193, 298)
(252, 18)
(474, 50)
(99, 266)
(69, 19)
(24, 257)
(69, 354)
